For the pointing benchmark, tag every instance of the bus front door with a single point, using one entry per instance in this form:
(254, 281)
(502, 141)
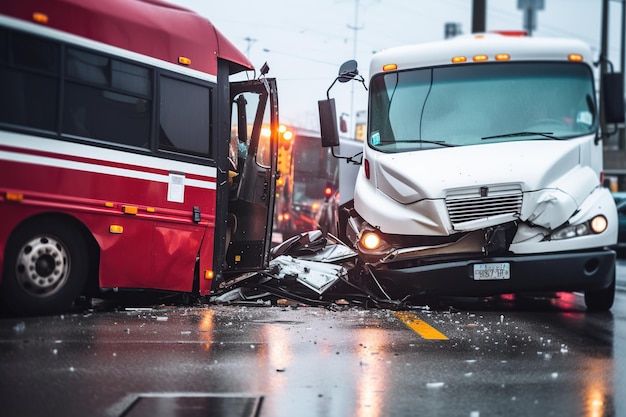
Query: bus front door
(253, 155)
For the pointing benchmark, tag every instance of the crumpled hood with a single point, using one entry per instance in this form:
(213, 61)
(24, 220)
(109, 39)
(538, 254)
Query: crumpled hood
(413, 176)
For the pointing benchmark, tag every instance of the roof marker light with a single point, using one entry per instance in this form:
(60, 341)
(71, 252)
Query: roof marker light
(184, 61)
(480, 58)
(503, 57)
(390, 67)
(458, 59)
(40, 18)
(575, 57)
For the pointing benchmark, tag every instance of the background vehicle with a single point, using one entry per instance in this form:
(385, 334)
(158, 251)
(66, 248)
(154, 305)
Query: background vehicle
(307, 190)
(621, 233)
(114, 152)
(482, 170)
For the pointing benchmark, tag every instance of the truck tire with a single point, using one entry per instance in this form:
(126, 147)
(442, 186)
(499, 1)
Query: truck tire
(601, 300)
(45, 268)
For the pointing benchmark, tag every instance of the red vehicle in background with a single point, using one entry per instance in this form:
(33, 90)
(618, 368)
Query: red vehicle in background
(119, 130)
(307, 190)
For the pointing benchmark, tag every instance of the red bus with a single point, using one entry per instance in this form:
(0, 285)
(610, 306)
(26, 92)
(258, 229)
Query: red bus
(120, 168)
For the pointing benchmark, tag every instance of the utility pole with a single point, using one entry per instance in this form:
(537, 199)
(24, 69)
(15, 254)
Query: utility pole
(603, 61)
(355, 29)
(479, 16)
(622, 130)
(530, 8)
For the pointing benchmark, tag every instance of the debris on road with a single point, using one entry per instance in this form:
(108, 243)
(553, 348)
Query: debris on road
(309, 269)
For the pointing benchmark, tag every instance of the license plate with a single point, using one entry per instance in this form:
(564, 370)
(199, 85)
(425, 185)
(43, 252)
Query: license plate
(492, 271)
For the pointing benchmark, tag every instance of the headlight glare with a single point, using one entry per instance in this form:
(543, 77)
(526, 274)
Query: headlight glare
(370, 241)
(599, 224)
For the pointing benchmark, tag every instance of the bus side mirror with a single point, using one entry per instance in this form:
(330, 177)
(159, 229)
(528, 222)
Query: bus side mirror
(328, 122)
(613, 85)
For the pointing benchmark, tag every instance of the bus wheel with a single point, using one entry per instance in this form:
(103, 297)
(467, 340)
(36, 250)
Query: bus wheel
(45, 268)
(601, 300)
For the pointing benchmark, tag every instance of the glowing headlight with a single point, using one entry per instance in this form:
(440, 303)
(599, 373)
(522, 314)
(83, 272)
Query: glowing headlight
(598, 224)
(370, 240)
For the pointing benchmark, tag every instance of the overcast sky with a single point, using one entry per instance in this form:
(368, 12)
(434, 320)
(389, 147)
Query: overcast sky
(304, 42)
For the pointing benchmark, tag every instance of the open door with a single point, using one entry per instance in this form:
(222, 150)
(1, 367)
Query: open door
(252, 154)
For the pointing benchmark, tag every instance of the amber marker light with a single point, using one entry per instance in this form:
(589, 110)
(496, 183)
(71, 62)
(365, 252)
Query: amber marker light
(130, 210)
(208, 274)
(370, 240)
(17, 197)
(390, 67)
(503, 57)
(479, 58)
(116, 229)
(182, 60)
(598, 224)
(575, 57)
(40, 18)
(458, 59)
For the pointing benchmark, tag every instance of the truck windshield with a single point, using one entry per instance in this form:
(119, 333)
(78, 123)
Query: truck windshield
(476, 104)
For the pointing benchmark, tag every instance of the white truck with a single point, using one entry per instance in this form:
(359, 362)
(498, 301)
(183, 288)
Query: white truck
(482, 170)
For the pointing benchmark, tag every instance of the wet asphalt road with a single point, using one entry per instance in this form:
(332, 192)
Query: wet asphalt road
(470, 358)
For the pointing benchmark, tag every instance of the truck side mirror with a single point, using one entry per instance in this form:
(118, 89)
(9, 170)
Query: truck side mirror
(348, 71)
(328, 122)
(613, 90)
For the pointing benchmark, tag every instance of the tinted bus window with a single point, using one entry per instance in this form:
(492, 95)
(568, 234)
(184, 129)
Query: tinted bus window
(28, 81)
(184, 117)
(107, 99)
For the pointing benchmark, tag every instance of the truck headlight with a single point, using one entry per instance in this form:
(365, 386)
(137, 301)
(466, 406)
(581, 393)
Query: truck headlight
(370, 241)
(596, 225)
(599, 224)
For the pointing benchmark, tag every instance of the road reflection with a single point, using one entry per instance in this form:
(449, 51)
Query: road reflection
(372, 382)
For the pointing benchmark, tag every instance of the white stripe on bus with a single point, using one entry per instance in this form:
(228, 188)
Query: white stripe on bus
(101, 169)
(102, 154)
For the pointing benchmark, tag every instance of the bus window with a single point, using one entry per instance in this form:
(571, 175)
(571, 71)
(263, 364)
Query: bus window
(184, 117)
(107, 99)
(29, 70)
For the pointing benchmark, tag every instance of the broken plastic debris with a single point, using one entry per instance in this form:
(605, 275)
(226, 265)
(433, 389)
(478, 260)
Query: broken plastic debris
(314, 275)
(434, 385)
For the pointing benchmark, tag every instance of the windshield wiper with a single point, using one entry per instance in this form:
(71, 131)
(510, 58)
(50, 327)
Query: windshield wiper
(525, 133)
(433, 142)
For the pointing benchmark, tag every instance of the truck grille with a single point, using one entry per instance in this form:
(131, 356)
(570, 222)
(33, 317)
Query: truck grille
(482, 202)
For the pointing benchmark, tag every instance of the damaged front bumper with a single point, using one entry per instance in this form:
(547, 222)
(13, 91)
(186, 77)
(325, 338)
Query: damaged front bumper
(576, 271)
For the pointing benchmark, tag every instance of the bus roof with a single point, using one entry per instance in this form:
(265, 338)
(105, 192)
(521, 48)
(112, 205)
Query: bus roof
(150, 27)
(518, 48)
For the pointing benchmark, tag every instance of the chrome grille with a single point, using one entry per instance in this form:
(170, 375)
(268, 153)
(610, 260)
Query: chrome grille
(479, 203)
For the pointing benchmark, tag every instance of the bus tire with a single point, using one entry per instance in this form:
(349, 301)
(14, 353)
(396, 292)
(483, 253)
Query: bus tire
(601, 300)
(45, 268)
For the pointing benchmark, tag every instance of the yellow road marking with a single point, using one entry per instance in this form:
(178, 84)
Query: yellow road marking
(420, 327)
